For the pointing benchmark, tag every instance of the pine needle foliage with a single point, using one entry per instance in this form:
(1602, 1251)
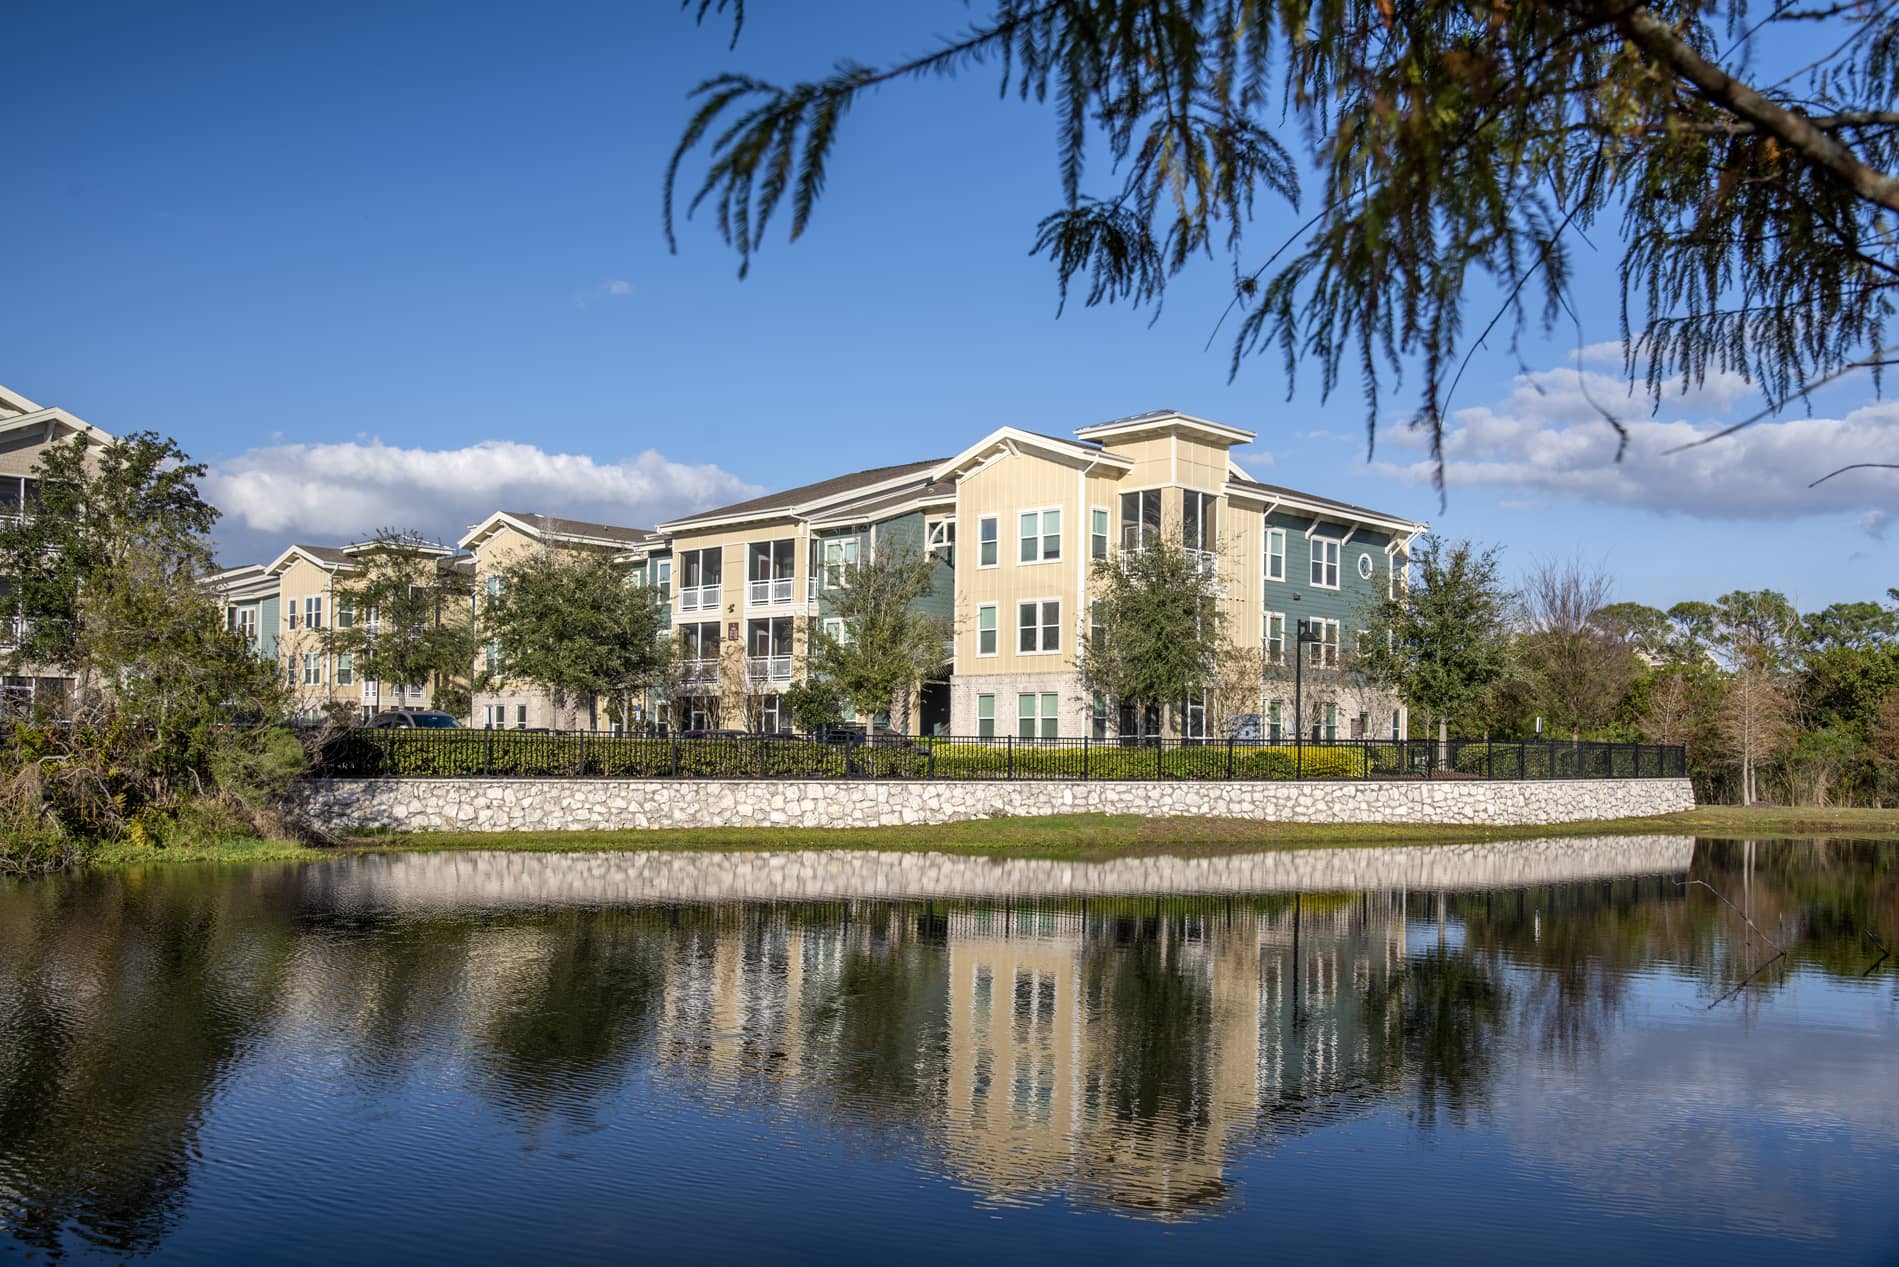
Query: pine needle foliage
(1463, 148)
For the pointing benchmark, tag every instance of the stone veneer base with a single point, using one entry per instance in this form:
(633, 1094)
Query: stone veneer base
(634, 804)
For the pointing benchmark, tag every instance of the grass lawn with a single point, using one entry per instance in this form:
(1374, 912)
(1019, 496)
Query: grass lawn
(1073, 837)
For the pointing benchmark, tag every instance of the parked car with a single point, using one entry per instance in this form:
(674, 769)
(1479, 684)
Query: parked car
(412, 719)
(1245, 728)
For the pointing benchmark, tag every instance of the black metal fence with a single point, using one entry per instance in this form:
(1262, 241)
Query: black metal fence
(589, 755)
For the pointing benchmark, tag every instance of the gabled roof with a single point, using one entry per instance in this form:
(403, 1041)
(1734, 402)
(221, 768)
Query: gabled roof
(13, 402)
(807, 498)
(407, 541)
(1015, 440)
(52, 420)
(556, 529)
(243, 583)
(329, 558)
(1322, 507)
(885, 505)
(1165, 420)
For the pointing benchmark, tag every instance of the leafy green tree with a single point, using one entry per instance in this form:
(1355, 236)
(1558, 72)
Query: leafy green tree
(889, 644)
(1578, 670)
(813, 706)
(1644, 630)
(1156, 632)
(408, 617)
(574, 624)
(1459, 148)
(1442, 642)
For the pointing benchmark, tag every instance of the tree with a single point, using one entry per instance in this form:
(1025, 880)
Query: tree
(1458, 147)
(574, 624)
(1156, 633)
(889, 644)
(404, 617)
(1886, 740)
(1578, 670)
(1754, 721)
(1644, 630)
(173, 726)
(1443, 641)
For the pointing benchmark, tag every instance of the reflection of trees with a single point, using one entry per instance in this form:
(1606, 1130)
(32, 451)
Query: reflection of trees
(124, 999)
(1452, 1014)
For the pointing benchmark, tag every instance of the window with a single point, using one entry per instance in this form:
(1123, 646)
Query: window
(520, 716)
(1098, 532)
(1140, 518)
(1395, 718)
(988, 528)
(313, 612)
(1323, 651)
(1399, 578)
(985, 717)
(345, 614)
(1276, 722)
(312, 669)
(491, 656)
(292, 613)
(986, 629)
(701, 579)
(1328, 727)
(1196, 716)
(772, 716)
(1098, 716)
(345, 666)
(1038, 716)
(1038, 627)
(1041, 536)
(661, 571)
(1275, 554)
(834, 630)
(1196, 520)
(940, 539)
(244, 622)
(1361, 725)
(1364, 567)
(1275, 637)
(1097, 634)
(840, 556)
(770, 567)
(1325, 563)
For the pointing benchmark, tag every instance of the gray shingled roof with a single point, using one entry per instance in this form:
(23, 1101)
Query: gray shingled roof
(327, 554)
(1281, 491)
(838, 486)
(871, 508)
(581, 528)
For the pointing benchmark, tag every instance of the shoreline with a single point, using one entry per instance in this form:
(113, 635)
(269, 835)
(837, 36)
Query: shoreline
(1075, 837)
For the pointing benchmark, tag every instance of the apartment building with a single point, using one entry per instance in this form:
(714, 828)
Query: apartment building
(313, 603)
(502, 539)
(27, 430)
(1017, 522)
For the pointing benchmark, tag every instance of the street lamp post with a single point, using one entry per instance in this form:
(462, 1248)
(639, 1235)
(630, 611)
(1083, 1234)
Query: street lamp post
(1302, 634)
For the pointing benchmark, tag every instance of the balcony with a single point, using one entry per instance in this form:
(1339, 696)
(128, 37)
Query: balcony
(698, 598)
(1206, 562)
(769, 592)
(768, 668)
(698, 672)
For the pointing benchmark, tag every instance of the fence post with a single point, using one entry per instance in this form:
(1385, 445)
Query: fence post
(1086, 741)
(761, 755)
(1298, 756)
(583, 754)
(1157, 758)
(675, 756)
(1523, 762)
(931, 757)
(1009, 744)
(487, 749)
(1229, 758)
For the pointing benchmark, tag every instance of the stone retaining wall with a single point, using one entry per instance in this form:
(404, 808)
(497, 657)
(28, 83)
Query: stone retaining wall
(632, 804)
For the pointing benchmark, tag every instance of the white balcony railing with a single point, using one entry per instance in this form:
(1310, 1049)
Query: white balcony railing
(768, 668)
(767, 592)
(698, 598)
(699, 672)
(1206, 561)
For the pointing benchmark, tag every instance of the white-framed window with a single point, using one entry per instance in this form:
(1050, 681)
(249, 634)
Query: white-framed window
(1038, 716)
(1195, 717)
(661, 572)
(292, 613)
(1364, 567)
(1274, 632)
(1038, 624)
(772, 717)
(834, 630)
(1276, 721)
(520, 716)
(244, 623)
(1327, 727)
(345, 614)
(492, 587)
(1098, 716)
(1325, 562)
(491, 656)
(1098, 532)
(1395, 719)
(985, 717)
(1039, 535)
(940, 540)
(1275, 554)
(1361, 725)
(345, 666)
(313, 612)
(1400, 575)
(1197, 510)
(840, 555)
(986, 629)
(312, 669)
(1323, 652)
(988, 531)
(1140, 518)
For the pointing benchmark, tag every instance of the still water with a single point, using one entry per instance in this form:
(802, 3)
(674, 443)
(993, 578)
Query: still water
(1566, 1051)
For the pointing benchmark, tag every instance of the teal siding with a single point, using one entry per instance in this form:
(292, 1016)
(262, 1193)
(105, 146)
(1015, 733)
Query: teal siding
(269, 612)
(904, 532)
(1345, 604)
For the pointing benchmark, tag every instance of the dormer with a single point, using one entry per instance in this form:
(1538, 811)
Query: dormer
(1166, 446)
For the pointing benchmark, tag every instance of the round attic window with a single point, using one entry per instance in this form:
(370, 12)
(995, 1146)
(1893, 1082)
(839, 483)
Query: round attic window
(1365, 566)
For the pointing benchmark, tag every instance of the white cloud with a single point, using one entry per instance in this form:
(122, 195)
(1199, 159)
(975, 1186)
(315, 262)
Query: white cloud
(618, 288)
(1874, 524)
(340, 492)
(1549, 436)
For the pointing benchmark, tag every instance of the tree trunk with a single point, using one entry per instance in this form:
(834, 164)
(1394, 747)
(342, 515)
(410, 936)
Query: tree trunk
(1443, 741)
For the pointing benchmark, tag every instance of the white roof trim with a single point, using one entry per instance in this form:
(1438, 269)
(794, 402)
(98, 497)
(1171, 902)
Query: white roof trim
(528, 528)
(13, 400)
(58, 416)
(1325, 513)
(1016, 439)
(283, 561)
(1162, 422)
(797, 511)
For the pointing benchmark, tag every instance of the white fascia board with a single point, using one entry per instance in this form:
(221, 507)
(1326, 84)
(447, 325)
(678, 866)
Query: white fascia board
(790, 514)
(849, 517)
(13, 400)
(1135, 426)
(486, 528)
(1325, 513)
(1014, 439)
(58, 417)
(282, 561)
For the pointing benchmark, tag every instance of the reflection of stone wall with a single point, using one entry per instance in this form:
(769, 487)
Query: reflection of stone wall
(506, 879)
(621, 804)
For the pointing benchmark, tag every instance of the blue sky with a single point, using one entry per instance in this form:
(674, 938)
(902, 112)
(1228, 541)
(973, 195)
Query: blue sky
(399, 265)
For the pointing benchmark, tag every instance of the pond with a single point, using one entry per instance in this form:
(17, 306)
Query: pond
(1638, 1049)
